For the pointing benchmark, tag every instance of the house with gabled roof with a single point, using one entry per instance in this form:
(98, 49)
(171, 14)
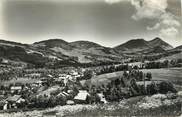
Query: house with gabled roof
(13, 101)
(82, 97)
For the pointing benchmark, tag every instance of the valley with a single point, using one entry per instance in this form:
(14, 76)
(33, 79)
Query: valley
(49, 77)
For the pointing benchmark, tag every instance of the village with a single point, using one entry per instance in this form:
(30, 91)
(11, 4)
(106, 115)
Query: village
(69, 86)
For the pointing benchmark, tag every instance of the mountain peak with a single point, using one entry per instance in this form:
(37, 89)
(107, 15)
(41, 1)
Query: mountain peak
(51, 43)
(157, 39)
(159, 42)
(133, 44)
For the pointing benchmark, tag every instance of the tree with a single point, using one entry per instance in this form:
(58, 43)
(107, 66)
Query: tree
(88, 74)
(149, 76)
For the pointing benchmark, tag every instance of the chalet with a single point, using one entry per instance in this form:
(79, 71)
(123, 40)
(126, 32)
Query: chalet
(14, 101)
(16, 89)
(82, 97)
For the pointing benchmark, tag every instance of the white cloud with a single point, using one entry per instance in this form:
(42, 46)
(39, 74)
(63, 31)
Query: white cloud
(169, 20)
(115, 1)
(156, 9)
(149, 9)
(156, 26)
(169, 32)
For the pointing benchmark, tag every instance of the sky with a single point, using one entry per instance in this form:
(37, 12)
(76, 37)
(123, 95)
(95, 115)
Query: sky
(107, 22)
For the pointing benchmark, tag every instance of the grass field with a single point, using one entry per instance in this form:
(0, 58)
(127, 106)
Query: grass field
(19, 80)
(170, 74)
(173, 75)
(105, 78)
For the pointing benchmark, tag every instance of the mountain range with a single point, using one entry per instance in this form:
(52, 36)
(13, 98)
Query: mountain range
(81, 51)
(141, 46)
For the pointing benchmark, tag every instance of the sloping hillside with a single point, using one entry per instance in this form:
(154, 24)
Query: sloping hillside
(157, 42)
(172, 57)
(133, 46)
(154, 50)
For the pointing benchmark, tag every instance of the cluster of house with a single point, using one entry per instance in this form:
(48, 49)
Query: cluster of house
(73, 76)
(13, 98)
(11, 95)
(66, 86)
(17, 101)
(11, 102)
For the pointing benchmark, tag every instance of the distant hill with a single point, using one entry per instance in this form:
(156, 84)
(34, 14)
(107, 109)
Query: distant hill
(178, 48)
(82, 51)
(54, 43)
(94, 48)
(49, 51)
(141, 46)
(133, 45)
(11, 43)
